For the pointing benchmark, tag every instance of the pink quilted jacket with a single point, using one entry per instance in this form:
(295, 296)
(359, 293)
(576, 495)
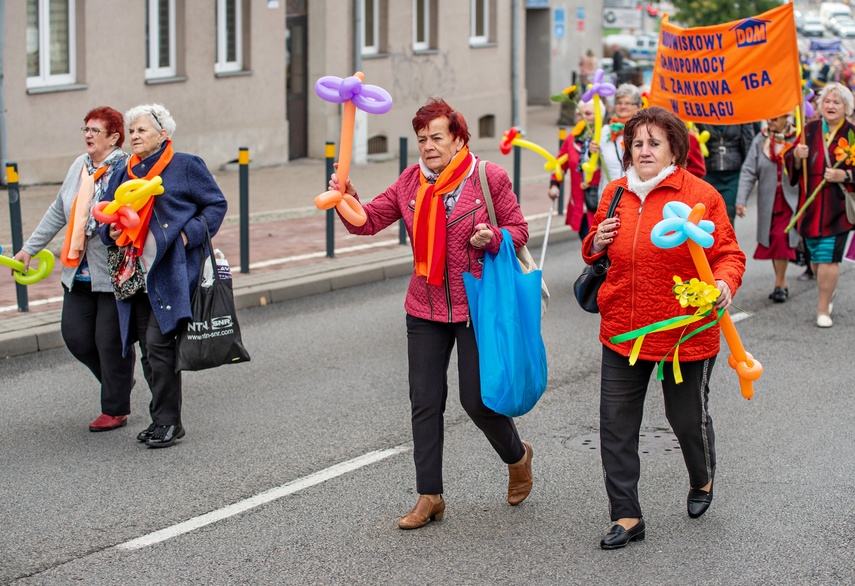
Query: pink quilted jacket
(447, 303)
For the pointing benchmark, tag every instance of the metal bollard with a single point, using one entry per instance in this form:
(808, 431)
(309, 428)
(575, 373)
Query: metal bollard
(17, 227)
(517, 186)
(330, 153)
(402, 164)
(243, 166)
(562, 136)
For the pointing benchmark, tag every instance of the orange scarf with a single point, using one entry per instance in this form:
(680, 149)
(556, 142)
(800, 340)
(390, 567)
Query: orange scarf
(74, 242)
(429, 222)
(136, 236)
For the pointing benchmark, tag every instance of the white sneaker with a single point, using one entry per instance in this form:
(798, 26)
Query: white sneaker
(824, 321)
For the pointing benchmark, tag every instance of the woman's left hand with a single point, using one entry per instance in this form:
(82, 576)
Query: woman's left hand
(834, 175)
(482, 236)
(723, 301)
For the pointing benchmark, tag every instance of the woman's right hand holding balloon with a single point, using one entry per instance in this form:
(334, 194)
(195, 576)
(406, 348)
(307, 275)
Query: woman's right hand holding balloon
(801, 151)
(593, 147)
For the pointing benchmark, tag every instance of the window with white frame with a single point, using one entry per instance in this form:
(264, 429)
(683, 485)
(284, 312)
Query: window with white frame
(160, 39)
(422, 28)
(50, 43)
(479, 32)
(370, 15)
(229, 36)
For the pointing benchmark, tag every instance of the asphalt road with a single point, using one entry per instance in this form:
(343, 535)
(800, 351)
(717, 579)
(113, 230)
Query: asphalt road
(327, 384)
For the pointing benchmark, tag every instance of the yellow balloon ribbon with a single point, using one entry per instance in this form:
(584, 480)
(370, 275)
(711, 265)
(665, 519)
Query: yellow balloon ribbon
(692, 293)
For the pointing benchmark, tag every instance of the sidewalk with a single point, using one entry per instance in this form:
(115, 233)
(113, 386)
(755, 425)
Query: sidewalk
(287, 236)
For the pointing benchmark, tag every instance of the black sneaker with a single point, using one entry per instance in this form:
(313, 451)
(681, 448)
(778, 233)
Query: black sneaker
(163, 436)
(146, 433)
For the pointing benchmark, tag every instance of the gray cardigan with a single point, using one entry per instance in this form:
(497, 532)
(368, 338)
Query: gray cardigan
(56, 218)
(757, 168)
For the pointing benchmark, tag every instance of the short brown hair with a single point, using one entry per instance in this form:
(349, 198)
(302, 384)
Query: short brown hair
(674, 128)
(112, 119)
(439, 108)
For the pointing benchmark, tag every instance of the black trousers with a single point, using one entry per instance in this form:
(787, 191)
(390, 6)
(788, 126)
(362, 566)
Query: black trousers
(622, 392)
(90, 329)
(158, 362)
(429, 346)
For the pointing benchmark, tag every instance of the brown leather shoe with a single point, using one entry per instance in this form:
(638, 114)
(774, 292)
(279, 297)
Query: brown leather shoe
(423, 512)
(106, 422)
(520, 478)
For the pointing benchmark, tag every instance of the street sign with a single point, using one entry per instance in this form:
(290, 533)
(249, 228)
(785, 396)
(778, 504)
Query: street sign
(622, 18)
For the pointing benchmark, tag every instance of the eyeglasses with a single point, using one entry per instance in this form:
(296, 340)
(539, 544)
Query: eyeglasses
(94, 131)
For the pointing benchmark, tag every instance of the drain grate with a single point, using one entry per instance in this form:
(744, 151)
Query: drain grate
(649, 442)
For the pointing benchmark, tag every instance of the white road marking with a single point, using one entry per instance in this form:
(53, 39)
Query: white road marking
(262, 498)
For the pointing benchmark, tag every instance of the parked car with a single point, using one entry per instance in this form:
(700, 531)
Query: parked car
(813, 26)
(800, 19)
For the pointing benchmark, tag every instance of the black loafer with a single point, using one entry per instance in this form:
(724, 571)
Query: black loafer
(146, 433)
(164, 436)
(779, 295)
(618, 537)
(698, 502)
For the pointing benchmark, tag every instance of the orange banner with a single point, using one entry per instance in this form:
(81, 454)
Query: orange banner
(732, 73)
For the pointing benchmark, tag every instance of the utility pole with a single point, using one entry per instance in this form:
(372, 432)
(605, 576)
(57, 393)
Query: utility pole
(4, 152)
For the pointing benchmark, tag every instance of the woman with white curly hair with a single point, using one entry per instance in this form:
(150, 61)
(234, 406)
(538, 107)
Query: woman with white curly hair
(168, 243)
(824, 225)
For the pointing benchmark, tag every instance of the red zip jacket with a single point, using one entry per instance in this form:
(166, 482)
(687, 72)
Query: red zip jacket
(447, 302)
(637, 291)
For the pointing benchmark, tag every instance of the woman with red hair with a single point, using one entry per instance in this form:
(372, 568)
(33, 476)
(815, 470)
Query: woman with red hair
(90, 322)
(443, 207)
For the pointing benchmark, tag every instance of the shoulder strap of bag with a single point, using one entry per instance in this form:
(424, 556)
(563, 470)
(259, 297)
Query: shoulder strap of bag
(216, 273)
(485, 189)
(614, 202)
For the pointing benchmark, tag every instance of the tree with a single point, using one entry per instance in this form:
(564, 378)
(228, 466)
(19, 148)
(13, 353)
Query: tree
(691, 13)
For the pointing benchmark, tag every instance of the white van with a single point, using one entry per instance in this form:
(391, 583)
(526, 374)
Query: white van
(828, 10)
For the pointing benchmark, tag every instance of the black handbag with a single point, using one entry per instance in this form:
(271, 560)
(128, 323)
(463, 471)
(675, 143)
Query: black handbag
(592, 198)
(587, 285)
(212, 336)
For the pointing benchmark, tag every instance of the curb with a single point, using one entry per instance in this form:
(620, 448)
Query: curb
(41, 331)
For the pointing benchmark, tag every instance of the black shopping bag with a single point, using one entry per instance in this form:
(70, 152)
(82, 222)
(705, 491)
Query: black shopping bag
(212, 337)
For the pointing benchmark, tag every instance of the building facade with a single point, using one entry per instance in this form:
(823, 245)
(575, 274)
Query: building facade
(240, 73)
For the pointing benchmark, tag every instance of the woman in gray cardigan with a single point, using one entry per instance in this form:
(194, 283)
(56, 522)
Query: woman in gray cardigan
(776, 199)
(90, 321)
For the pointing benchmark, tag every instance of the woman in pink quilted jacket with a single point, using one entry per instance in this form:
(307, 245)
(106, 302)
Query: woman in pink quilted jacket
(441, 202)
(638, 292)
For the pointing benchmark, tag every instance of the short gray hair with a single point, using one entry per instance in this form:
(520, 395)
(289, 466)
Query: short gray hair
(842, 91)
(159, 115)
(626, 90)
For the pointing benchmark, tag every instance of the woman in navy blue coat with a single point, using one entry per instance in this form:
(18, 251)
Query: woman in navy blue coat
(169, 245)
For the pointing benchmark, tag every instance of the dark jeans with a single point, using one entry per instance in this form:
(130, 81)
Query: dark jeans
(158, 362)
(90, 329)
(622, 392)
(429, 346)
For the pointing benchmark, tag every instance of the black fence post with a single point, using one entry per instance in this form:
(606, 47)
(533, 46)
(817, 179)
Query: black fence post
(562, 135)
(517, 180)
(402, 164)
(330, 152)
(243, 166)
(17, 227)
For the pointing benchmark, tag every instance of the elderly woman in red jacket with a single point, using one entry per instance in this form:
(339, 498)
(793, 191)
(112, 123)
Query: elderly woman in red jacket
(441, 196)
(638, 292)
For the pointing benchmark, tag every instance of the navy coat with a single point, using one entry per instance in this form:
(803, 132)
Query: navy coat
(190, 192)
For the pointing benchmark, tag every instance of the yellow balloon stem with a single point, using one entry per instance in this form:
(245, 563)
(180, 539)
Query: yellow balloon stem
(552, 164)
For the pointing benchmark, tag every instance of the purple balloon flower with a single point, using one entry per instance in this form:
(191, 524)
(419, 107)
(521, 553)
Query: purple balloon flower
(369, 98)
(599, 87)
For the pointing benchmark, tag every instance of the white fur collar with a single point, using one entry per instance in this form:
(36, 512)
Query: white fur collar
(642, 188)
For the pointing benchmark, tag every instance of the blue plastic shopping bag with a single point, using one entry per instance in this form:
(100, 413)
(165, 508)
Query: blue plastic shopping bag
(505, 310)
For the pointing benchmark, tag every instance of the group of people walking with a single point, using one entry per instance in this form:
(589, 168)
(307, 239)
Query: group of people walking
(165, 250)
(649, 158)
